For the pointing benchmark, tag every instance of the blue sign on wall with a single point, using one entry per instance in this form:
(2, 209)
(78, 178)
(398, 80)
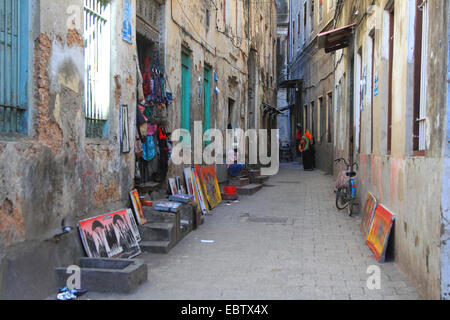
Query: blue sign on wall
(127, 14)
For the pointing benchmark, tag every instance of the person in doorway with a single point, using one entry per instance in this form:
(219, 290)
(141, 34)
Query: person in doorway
(307, 150)
(234, 168)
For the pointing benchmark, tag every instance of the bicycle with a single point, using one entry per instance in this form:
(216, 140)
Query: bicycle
(346, 187)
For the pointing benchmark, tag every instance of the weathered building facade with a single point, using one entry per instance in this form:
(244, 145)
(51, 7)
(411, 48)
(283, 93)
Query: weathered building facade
(59, 161)
(68, 70)
(311, 74)
(220, 64)
(391, 114)
(284, 122)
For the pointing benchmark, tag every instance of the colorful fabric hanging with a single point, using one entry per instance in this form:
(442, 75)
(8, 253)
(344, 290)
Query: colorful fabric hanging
(147, 77)
(149, 149)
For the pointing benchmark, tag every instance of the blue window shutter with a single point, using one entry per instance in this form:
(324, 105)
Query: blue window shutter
(14, 39)
(23, 52)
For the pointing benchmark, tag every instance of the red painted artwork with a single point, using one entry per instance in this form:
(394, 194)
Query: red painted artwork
(380, 231)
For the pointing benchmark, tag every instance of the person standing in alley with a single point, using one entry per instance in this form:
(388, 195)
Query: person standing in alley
(307, 150)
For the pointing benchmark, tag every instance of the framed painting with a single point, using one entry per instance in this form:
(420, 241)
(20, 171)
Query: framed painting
(134, 225)
(200, 196)
(369, 212)
(137, 208)
(211, 185)
(173, 186)
(109, 236)
(379, 233)
(124, 130)
(190, 186)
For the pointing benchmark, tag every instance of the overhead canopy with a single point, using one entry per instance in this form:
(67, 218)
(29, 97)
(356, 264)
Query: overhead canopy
(336, 39)
(270, 109)
(294, 83)
(286, 107)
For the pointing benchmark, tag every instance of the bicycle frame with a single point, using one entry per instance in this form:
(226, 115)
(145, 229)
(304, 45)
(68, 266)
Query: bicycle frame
(349, 195)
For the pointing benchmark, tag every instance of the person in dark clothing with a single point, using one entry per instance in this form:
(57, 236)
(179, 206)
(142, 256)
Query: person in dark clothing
(308, 152)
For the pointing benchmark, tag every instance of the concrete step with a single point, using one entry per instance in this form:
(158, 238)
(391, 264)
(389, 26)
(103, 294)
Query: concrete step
(229, 197)
(148, 187)
(156, 246)
(107, 275)
(186, 228)
(239, 182)
(253, 173)
(158, 231)
(249, 189)
(259, 180)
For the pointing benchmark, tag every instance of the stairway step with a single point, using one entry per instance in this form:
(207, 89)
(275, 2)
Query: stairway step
(229, 197)
(249, 189)
(259, 180)
(239, 182)
(254, 173)
(156, 246)
(158, 231)
(148, 187)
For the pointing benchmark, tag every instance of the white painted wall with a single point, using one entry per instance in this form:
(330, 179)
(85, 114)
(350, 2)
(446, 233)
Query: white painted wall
(445, 247)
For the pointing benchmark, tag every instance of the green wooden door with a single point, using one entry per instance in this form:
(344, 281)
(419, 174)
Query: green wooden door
(185, 91)
(207, 92)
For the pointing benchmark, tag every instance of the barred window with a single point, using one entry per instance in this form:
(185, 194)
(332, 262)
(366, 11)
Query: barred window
(13, 66)
(97, 66)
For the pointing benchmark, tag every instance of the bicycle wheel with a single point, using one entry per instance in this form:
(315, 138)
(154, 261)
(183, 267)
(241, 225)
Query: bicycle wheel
(341, 199)
(350, 206)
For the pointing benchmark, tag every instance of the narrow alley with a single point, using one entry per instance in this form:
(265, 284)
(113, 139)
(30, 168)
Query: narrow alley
(224, 150)
(286, 242)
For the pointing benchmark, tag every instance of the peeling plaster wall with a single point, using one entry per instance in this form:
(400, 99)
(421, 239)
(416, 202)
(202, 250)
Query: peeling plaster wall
(54, 176)
(413, 188)
(226, 50)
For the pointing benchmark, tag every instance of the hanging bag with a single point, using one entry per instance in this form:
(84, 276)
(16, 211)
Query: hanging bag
(159, 114)
(138, 148)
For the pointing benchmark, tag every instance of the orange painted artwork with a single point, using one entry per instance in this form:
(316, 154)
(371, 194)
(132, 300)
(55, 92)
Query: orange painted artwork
(380, 231)
(211, 185)
(137, 208)
(369, 211)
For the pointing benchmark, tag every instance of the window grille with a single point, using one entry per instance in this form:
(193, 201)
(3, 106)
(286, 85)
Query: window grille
(97, 66)
(13, 65)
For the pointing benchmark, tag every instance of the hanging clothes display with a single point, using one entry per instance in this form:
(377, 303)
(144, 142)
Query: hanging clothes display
(152, 118)
(147, 78)
(149, 149)
(164, 153)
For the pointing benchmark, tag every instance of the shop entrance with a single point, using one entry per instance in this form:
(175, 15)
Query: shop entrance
(148, 61)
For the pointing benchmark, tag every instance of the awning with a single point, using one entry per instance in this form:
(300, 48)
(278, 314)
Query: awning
(270, 109)
(286, 107)
(336, 39)
(294, 83)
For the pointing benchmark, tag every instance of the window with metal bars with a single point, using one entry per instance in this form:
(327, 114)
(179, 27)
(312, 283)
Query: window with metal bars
(97, 66)
(13, 66)
(420, 78)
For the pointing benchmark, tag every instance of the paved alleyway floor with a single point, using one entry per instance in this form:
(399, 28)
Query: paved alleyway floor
(286, 242)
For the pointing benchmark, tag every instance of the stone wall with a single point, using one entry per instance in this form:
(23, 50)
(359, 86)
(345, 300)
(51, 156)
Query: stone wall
(54, 176)
(410, 186)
